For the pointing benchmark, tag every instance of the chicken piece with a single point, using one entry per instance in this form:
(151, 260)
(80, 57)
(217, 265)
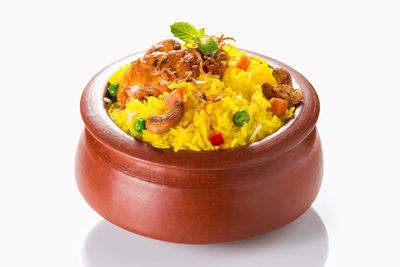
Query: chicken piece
(151, 74)
(164, 46)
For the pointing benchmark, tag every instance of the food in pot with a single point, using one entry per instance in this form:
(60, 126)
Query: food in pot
(203, 94)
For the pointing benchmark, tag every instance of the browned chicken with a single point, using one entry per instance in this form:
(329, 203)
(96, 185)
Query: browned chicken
(151, 74)
(164, 46)
(164, 63)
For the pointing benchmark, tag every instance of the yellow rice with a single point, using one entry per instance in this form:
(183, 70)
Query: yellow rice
(243, 89)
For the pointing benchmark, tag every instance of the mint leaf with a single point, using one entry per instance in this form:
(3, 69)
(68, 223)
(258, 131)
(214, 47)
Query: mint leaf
(186, 32)
(208, 46)
(201, 33)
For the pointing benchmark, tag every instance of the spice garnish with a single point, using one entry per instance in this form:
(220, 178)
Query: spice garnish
(189, 33)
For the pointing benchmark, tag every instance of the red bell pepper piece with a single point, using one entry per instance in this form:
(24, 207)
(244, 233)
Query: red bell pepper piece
(216, 139)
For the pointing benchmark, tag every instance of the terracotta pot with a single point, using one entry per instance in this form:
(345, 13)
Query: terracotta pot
(198, 197)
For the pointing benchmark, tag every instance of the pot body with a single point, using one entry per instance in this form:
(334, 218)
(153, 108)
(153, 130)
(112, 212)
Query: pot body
(217, 205)
(198, 197)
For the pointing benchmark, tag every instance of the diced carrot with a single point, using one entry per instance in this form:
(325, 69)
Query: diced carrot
(278, 106)
(243, 63)
(174, 96)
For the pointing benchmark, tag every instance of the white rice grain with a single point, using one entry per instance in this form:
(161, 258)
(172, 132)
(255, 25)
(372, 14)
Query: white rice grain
(131, 114)
(200, 82)
(254, 134)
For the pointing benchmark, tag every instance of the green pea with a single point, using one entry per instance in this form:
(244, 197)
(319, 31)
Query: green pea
(113, 90)
(139, 125)
(241, 117)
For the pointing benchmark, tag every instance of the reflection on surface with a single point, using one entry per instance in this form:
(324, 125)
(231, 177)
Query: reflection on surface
(301, 243)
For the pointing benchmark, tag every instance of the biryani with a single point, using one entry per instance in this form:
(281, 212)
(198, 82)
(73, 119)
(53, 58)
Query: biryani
(201, 94)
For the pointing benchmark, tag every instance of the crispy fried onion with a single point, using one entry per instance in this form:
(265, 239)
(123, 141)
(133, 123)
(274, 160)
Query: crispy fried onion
(194, 113)
(216, 63)
(209, 99)
(168, 75)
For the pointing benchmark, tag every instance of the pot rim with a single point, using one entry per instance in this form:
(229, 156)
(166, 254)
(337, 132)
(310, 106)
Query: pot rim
(105, 131)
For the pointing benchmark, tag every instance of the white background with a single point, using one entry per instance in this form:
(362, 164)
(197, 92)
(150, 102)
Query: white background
(349, 50)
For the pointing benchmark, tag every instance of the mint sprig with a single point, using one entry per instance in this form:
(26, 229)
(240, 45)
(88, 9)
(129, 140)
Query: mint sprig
(189, 33)
(186, 32)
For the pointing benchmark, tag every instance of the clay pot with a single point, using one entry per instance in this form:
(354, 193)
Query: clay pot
(198, 197)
